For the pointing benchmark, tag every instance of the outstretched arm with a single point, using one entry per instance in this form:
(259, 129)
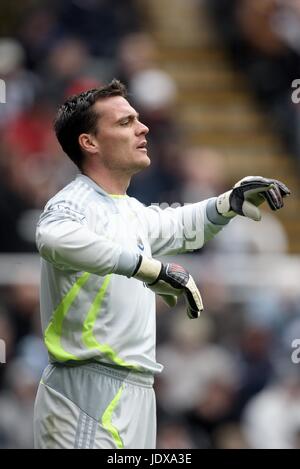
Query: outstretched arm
(177, 230)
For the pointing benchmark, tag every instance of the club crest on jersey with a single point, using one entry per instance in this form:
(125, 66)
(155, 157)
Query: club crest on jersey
(140, 244)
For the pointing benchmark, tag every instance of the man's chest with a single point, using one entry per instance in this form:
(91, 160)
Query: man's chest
(125, 226)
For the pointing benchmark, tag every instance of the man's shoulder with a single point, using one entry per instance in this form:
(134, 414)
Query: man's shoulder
(74, 196)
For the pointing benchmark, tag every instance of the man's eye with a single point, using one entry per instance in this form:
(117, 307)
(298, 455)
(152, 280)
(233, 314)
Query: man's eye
(125, 122)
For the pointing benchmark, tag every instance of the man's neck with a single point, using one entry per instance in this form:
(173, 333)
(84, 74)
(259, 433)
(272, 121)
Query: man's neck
(112, 183)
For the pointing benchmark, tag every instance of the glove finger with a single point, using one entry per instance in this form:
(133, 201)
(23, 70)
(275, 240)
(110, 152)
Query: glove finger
(270, 200)
(274, 198)
(193, 299)
(257, 190)
(279, 196)
(170, 300)
(284, 190)
(253, 180)
(256, 183)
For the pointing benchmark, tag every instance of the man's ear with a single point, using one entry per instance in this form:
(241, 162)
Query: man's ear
(88, 143)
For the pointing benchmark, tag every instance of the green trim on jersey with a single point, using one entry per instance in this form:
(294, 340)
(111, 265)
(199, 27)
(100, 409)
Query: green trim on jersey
(88, 337)
(107, 417)
(53, 333)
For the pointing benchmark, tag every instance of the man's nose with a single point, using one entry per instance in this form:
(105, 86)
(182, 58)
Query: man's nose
(142, 129)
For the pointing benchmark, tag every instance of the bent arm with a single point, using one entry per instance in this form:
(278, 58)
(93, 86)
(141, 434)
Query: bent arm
(66, 241)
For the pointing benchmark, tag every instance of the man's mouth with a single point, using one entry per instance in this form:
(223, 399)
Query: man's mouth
(142, 146)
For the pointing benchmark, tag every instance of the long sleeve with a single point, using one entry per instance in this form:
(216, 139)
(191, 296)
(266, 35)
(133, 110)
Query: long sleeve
(64, 239)
(182, 229)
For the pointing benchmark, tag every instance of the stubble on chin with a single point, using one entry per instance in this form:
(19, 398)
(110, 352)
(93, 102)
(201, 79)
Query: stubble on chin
(141, 165)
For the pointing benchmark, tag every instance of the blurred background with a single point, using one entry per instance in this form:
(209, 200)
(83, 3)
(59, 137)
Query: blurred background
(213, 81)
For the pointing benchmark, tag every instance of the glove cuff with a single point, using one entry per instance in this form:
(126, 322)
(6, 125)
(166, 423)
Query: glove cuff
(223, 205)
(147, 269)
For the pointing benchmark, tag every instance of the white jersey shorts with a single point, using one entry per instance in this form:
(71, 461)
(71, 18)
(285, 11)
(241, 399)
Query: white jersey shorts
(93, 406)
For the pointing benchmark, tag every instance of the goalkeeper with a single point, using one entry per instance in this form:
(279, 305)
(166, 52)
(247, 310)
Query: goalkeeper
(99, 276)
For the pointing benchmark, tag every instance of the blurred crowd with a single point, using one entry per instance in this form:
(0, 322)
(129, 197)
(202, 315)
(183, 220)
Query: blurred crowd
(263, 38)
(228, 381)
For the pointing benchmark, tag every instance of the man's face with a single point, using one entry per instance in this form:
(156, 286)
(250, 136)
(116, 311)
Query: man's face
(121, 137)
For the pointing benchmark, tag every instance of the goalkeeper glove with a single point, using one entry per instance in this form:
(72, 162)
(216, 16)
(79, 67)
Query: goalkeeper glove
(250, 192)
(170, 281)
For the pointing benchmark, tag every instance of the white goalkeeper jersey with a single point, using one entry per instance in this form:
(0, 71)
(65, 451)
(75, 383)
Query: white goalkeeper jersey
(90, 242)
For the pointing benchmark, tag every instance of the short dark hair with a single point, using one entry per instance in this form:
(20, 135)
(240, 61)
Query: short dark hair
(76, 116)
